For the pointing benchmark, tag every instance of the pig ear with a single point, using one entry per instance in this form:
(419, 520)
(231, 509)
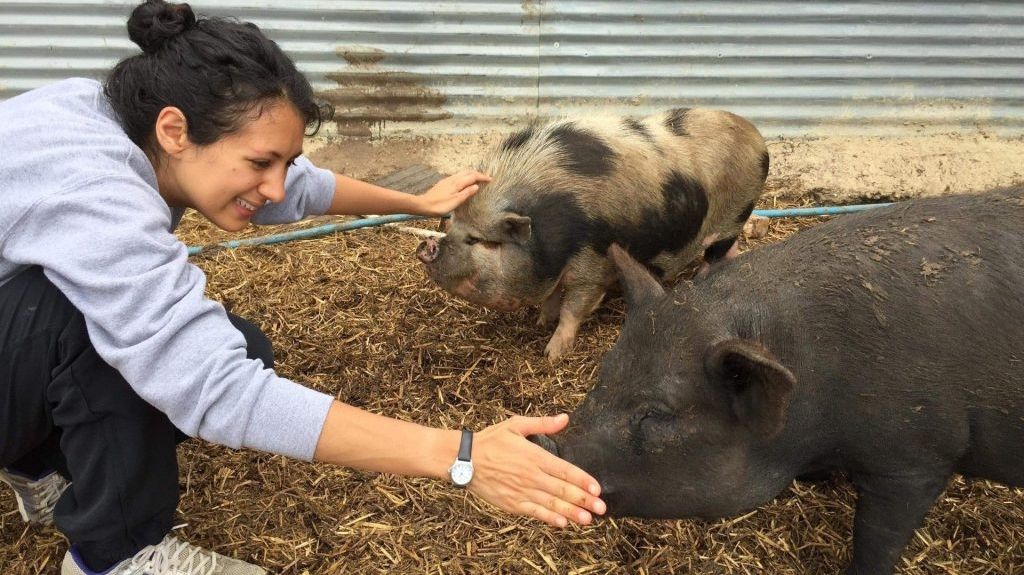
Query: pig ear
(637, 283)
(759, 385)
(515, 228)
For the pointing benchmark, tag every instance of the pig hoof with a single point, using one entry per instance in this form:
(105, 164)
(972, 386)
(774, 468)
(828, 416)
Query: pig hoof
(557, 347)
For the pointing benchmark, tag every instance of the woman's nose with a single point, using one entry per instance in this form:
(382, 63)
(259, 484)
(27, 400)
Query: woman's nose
(273, 189)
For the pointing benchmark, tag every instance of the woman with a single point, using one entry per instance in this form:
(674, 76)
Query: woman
(108, 346)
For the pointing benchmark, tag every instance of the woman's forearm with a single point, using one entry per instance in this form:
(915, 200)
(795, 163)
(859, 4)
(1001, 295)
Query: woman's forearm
(353, 437)
(355, 197)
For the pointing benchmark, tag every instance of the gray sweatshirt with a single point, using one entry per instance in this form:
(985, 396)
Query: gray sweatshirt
(79, 199)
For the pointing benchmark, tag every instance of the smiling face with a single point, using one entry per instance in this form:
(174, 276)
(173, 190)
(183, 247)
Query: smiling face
(229, 180)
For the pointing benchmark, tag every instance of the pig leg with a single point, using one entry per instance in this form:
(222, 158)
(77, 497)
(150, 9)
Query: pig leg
(716, 251)
(550, 308)
(721, 250)
(577, 304)
(889, 509)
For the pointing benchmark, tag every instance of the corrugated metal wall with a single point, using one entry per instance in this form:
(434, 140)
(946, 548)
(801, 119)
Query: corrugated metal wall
(792, 67)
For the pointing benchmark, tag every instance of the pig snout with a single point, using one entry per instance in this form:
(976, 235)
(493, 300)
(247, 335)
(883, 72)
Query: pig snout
(546, 442)
(427, 250)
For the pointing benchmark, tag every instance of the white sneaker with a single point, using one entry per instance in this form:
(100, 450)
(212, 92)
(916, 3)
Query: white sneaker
(169, 557)
(36, 497)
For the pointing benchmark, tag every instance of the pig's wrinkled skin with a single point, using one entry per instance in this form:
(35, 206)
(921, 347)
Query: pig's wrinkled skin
(888, 344)
(667, 188)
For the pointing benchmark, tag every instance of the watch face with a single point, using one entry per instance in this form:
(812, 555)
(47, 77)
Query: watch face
(461, 473)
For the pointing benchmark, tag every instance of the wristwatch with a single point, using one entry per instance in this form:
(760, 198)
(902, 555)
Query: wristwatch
(461, 471)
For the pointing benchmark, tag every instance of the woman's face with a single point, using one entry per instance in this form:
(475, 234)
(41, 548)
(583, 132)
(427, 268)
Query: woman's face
(231, 179)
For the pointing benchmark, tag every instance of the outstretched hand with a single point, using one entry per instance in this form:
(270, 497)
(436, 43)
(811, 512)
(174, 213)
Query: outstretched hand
(450, 192)
(520, 477)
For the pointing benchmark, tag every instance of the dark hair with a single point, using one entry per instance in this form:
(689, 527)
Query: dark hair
(219, 72)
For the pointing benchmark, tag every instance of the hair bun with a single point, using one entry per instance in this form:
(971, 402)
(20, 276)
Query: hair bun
(154, 22)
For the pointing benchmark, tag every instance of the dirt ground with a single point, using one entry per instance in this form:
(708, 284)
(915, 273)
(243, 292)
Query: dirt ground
(354, 316)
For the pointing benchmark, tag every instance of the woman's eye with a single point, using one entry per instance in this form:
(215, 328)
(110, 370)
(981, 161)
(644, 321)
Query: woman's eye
(260, 164)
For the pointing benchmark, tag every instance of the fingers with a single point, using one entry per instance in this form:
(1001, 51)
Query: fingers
(471, 177)
(572, 475)
(469, 191)
(555, 511)
(538, 511)
(466, 180)
(539, 425)
(572, 496)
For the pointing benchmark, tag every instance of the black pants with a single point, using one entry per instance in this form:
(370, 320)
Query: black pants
(62, 407)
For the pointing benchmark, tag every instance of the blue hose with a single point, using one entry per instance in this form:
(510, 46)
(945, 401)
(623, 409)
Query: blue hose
(381, 220)
(309, 232)
(823, 211)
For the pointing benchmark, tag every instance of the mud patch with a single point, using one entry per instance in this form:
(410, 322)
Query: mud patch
(931, 270)
(368, 97)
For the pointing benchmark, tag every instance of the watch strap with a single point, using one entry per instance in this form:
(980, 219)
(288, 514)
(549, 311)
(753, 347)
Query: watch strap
(466, 445)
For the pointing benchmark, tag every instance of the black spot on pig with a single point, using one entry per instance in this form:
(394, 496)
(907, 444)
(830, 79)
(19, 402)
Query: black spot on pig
(717, 250)
(635, 126)
(516, 140)
(560, 229)
(584, 153)
(665, 229)
(764, 165)
(686, 206)
(745, 214)
(674, 121)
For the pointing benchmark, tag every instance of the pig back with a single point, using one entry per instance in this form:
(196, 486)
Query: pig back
(902, 323)
(657, 185)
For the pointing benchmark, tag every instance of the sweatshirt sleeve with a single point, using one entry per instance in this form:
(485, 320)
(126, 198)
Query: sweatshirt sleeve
(106, 246)
(309, 191)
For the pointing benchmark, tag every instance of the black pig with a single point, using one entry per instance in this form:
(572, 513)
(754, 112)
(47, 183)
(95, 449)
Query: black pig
(887, 344)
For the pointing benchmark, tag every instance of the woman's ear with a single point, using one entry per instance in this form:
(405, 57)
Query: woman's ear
(171, 131)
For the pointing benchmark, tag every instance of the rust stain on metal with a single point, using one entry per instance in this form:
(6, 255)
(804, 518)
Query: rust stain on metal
(531, 12)
(368, 97)
(361, 56)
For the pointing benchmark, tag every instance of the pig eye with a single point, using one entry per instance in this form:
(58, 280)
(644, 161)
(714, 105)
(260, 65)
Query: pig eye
(659, 415)
(649, 425)
(653, 415)
(472, 240)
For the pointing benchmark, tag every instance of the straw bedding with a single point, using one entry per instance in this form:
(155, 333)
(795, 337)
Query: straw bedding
(355, 316)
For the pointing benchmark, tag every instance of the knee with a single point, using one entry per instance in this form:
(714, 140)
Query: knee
(256, 342)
